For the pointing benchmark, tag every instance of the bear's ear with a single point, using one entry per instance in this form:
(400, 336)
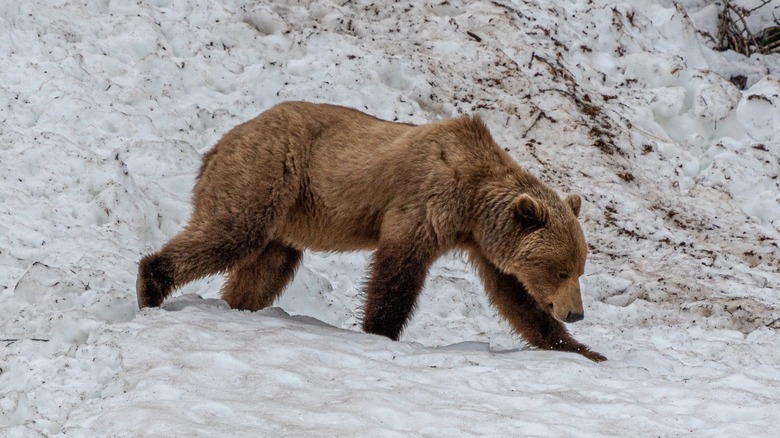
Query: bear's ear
(574, 202)
(529, 212)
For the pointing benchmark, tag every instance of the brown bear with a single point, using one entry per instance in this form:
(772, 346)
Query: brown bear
(329, 178)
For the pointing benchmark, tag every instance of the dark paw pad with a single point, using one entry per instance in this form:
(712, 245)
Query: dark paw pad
(383, 328)
(155, 280)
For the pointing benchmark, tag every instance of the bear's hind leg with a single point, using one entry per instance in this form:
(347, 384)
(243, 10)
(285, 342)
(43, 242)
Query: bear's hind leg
(201, 249)
(259, 279)
(524, 314)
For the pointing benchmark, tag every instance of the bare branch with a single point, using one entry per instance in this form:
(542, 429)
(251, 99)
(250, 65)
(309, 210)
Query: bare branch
(734, 33)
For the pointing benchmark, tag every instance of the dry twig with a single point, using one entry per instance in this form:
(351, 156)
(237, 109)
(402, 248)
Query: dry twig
(734, 33)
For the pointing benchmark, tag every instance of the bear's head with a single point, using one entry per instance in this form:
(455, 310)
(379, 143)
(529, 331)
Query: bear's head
(537, 239)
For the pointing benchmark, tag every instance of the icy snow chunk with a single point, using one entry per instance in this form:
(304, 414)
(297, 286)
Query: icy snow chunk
(733, 168)
(113, 205)
(759, 112)
(40, 279)
(466, 346)
(715, 101)
(655, 69)
(311, 293)
(653, 361)
(14, 408)
(73, 327)
(706, 18)
(610, 289)
(667, 102)
(131, 40)
(182, 302)
(264, 20)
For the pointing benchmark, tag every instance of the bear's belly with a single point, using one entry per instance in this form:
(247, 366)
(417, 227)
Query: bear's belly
(341, 232)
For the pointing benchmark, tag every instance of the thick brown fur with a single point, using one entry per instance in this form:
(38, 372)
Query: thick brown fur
(323, 177)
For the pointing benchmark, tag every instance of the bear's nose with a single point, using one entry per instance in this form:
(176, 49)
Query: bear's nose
(574, 317)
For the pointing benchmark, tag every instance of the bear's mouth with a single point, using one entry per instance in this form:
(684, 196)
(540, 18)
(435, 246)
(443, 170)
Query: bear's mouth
(570, 317)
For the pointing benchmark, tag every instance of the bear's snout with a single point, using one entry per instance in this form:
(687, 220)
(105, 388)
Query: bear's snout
(566, 303)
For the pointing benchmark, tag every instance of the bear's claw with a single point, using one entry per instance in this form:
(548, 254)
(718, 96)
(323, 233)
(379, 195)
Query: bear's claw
(592, 355)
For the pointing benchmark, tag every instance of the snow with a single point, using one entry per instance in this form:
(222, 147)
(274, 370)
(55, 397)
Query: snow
(106, 107)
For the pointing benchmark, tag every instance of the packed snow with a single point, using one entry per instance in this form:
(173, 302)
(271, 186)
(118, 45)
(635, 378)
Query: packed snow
(107, 106)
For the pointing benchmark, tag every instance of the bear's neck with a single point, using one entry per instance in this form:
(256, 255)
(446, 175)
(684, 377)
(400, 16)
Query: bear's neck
(499, 180)
(488, 178)
(491, 190)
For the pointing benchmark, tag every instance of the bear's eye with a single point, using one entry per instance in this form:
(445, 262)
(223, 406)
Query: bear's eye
(563, 275)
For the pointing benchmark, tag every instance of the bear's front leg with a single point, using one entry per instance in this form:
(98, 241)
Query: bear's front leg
(538, 327)
(397, 275)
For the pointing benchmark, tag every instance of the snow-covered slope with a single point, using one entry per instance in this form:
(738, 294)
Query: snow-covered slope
(106, 107)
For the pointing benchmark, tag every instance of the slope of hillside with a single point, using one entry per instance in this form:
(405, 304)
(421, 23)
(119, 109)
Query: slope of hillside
(107, 106)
